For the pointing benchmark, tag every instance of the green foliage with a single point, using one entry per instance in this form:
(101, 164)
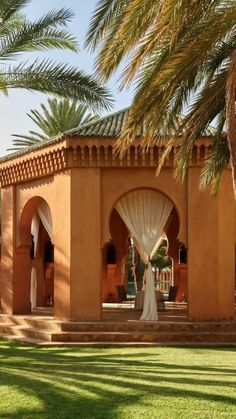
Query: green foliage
(180, 55)
(140, 269)
(57, 117)
(161, 260)
(135, 262)
(18, 35)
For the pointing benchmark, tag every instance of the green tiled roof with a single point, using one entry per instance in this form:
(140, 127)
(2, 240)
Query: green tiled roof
(109, 126)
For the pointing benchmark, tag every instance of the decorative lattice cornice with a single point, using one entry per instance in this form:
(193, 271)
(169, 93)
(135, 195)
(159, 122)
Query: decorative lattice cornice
(92, 152)
(32, 167)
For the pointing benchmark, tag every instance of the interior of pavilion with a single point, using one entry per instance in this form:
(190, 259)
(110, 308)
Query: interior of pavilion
(125, 268)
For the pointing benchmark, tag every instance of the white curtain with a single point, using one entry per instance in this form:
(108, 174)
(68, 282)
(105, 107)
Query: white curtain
(44, 214)
(35, 231)
(46, 218)
(145, 213)
(33, 288)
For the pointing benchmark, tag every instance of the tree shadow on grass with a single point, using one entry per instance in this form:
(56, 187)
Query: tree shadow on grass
(77, 384)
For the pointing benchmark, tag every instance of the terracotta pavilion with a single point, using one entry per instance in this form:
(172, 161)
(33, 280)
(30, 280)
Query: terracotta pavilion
(76, 181)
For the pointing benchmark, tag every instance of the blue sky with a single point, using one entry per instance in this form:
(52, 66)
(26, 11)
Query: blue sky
(13, 108)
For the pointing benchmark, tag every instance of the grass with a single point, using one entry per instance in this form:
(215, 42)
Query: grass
(119, 383)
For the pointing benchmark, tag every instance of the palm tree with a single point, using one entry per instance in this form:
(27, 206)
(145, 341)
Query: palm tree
(182, 57)
(17, 35)
(57, 117)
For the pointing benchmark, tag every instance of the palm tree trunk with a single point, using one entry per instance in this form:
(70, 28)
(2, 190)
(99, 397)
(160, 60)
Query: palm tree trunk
(231, 117)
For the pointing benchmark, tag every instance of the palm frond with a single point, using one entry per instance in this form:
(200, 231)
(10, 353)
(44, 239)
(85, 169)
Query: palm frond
(41, 35)
(57, 117)
(25, 141)
(9, 8)
(18, 35)
(58, 79)
(177, 52)
(209, 103)
(214, 165)
(106, 12)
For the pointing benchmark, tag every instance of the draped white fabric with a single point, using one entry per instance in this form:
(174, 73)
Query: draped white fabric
(150, 306)
(35, 231)
(33, 288)
(145, 213)
(46, 218)
(44, 214)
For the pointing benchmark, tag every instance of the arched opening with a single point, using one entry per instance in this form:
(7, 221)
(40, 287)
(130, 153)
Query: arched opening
(128, 269)
(113, 252)
(35, 254)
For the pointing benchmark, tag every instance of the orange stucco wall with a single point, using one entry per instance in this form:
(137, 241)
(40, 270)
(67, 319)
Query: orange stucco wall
(86, 249)
(211, 271)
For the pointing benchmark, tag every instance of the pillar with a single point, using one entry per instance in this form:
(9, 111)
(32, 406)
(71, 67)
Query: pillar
(86, 252)
(77, 245)
(211, 266)
(15, 267)
(7, 248)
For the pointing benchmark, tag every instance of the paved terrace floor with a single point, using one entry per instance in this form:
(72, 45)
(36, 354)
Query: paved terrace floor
(177, 312)
(126, 312)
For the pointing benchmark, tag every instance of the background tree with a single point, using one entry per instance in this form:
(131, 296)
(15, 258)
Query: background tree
(161, 260)
(182, 56)
(18, 35)
(60, 115)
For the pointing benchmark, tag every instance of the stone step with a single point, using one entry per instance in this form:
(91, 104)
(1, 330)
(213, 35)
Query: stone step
(22, 340)
(117, 339)
(147, 326)
(34, 322)
(131, 344)
(27, 332)
(40, 343)
(7, 328)
(49, 324)
(37, 330)
(166, 337)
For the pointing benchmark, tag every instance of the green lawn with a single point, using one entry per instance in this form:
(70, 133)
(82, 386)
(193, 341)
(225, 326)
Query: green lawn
(117, 383)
